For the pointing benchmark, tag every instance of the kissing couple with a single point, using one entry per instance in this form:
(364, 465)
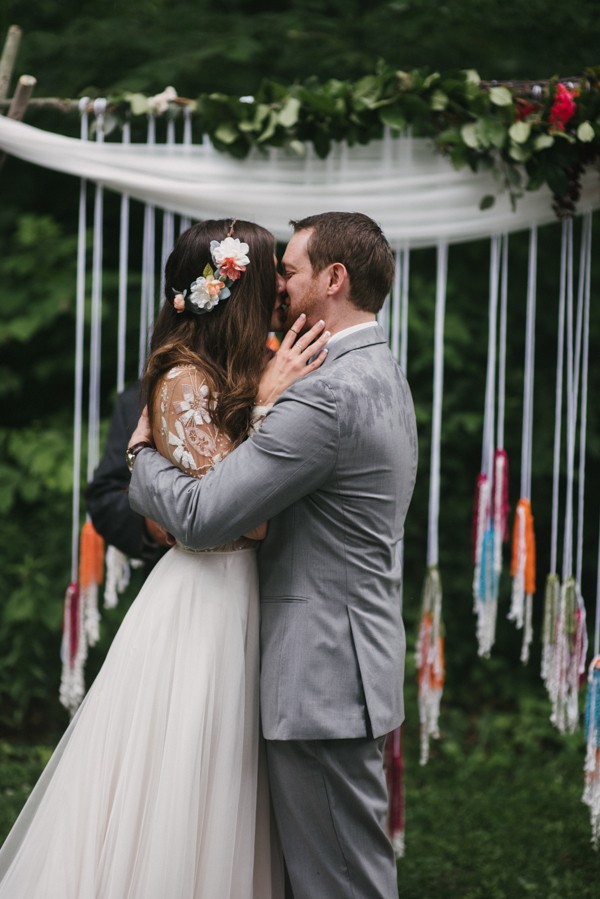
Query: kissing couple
(285, 483)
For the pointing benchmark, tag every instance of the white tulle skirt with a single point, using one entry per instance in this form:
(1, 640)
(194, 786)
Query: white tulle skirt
(157, 789)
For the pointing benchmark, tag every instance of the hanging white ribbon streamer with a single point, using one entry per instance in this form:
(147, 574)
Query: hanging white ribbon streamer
(570, 650)
(485, 594)
(573, 338)
(396, 307)
(502, 344)
(147, 298)
(72, 685)
(586, 283)
(185, 221)
(429, 654)
(96, 315)
(89, 592)
(168, 221)
(559, 393)
(522, 602)
(404, 326)
(500, 503)
(526, 447)
(552, 590)
(123, 272)
(79, 350)
(383, 316)
(438, 388)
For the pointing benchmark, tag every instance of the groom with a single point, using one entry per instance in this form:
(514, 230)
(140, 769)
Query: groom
(332, 469)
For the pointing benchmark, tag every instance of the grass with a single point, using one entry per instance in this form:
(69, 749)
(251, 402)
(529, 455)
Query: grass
(495, 814)
(497, 811)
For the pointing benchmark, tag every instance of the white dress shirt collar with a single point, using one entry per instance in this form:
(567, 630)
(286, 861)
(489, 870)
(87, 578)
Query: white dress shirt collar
(344, 333)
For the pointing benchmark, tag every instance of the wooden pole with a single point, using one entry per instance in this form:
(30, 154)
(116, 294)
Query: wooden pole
(9, 56)
(21, 97)
(19, 103)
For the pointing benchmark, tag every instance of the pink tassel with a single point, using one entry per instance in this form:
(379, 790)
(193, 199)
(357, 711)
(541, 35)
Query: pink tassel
(73, 650)
(394, 770)
(71, 622)
(478, 525)
(500, 495)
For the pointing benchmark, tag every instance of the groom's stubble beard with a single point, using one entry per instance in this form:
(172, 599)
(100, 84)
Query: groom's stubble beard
(311, 303)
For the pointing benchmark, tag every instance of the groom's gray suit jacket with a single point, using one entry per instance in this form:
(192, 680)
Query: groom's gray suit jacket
(332, 469)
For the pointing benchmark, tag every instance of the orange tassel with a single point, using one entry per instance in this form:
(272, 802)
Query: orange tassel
(272, 342)
(424, 641)
(529, 574)
(438, 672)
(530, 558)
(435, 673)
(91, 556)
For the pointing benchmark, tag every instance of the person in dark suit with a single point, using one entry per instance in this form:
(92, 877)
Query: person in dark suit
(106, 495)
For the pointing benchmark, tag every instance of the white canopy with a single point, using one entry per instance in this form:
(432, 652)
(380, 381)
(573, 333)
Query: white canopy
(402, 183)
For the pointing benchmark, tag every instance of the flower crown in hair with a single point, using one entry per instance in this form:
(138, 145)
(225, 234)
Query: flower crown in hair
(230, 259)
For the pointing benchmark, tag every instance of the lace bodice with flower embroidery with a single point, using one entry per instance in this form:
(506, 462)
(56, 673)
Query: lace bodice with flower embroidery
(184, 431)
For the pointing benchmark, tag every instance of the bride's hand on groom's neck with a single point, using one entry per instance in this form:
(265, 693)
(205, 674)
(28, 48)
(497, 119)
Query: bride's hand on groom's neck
(296, 357)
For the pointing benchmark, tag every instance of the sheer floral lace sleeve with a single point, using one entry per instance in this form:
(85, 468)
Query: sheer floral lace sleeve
(184, 431)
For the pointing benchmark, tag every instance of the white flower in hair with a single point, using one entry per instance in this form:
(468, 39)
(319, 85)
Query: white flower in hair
(230, 257)
(205, 293)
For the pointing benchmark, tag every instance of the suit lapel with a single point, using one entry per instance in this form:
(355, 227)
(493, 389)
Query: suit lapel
(356, 340)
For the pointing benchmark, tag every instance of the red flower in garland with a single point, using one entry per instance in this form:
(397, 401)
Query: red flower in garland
(563, 107)
(525, 109)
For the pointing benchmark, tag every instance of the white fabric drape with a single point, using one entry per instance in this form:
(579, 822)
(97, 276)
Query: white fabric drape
(413, 192)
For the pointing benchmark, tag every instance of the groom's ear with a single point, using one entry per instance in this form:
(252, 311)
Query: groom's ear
(338, 278)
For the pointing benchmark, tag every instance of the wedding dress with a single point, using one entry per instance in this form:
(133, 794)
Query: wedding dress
(158, 788)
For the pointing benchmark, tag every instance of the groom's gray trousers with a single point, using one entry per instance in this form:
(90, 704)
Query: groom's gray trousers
(330, 804)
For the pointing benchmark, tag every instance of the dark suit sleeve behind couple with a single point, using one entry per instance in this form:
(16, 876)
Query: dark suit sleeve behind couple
(107, 496)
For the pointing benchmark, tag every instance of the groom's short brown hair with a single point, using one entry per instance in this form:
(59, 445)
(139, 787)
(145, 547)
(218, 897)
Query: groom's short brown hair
(358, 242)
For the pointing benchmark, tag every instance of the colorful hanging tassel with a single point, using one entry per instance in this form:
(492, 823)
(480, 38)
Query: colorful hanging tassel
(487, 599)
(523, 574)
(91, 574)
(481, 509)
(569, 658)
(273, 342)
(486, 572)
(591, 791)
(500, 505)
(73, 650)
(551, 612)
(430, 660)
(480, 517)
(117, 576)
(394, 772)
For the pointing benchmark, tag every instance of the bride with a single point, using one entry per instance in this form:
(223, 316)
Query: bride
(157, 790)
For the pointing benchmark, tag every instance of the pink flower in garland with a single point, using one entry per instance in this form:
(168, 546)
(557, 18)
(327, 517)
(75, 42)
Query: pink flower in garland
(563, 108)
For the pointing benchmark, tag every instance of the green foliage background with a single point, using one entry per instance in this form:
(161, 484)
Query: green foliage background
(76, 48)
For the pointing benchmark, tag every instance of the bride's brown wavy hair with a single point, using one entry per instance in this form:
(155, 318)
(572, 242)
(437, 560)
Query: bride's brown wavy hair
(228, 343)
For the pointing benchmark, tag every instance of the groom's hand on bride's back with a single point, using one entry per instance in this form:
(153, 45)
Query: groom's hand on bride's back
(143, 431)
(156, 534)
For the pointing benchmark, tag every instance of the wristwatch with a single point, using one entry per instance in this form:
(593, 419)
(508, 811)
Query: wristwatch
(132, 451)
